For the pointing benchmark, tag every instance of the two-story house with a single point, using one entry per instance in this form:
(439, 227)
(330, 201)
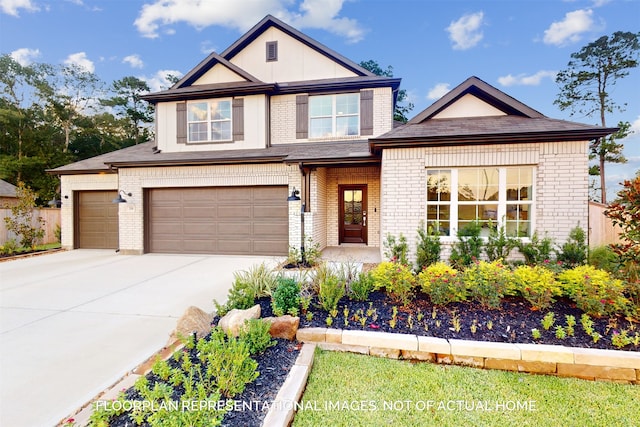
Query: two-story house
(277, 115)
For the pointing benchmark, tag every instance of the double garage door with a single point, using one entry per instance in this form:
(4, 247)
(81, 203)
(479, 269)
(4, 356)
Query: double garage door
(217, 220)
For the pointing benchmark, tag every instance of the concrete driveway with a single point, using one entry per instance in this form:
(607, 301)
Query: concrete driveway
(72, 323)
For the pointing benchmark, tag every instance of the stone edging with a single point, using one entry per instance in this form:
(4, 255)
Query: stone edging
(584, 363)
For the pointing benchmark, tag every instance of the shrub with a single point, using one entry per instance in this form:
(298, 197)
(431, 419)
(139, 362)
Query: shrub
(330, 291)
(499, 245)
(397, 279)
(255, 334)
(231, 366)
(537, 251)
(286, 297)
(442, 283)
(10, 247)
(625, 213)
(487, 282)
(468, 247)
(574, 251)
(594, 291)
(536, 284)
(22, 218)
(361, 287)
(428, 246)
(396, 251)
(241, 296)
(604, 258)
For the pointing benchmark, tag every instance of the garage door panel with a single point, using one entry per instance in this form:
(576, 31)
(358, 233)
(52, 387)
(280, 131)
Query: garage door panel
(218, 220)
(97, 220)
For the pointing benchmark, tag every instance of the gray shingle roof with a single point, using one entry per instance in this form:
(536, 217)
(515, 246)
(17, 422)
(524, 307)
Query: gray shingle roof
(7, 189)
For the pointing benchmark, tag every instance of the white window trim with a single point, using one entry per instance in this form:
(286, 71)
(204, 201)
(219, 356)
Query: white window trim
(334, 116)
(209, 121)
(501, 202)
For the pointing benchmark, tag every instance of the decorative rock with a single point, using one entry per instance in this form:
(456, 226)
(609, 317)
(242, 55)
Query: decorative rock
(283, 326)
(193, 320)
(234, 320)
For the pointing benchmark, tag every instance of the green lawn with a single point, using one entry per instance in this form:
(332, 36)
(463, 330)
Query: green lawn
(347, 389)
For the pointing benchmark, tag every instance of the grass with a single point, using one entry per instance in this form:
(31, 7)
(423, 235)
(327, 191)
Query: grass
(347, 389)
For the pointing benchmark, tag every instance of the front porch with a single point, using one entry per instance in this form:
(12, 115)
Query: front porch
(352, 253)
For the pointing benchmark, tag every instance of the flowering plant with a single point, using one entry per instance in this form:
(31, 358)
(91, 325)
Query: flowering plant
(442, 283)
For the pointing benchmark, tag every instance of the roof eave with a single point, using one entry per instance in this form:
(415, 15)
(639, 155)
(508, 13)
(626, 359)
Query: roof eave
(207, 93)
(196, 162)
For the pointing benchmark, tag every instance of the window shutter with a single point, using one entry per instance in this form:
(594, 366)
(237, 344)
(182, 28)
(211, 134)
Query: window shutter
(181, 128)
(366, 112)
(302, 116)
(238, 119)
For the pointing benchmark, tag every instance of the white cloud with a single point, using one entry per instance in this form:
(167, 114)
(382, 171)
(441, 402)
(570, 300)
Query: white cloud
(25, 56)
(465, 32)
(134, 61)
(80, 59)
(12, 7)
(323, 14)
(159, 80)
(570, 29)
(438, 91)
(524, 80)
(635, 126)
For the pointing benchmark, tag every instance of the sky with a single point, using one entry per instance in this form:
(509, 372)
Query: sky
(517, 46)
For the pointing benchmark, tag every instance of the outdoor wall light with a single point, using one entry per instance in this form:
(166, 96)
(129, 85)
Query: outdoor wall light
(294, 195)
(121, 199)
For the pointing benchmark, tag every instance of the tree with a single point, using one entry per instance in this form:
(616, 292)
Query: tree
(402, 110)
(585, 86)
(128, 105)
(22, 219)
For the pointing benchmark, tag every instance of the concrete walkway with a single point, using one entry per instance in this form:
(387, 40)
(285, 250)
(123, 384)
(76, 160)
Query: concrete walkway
(72, 323)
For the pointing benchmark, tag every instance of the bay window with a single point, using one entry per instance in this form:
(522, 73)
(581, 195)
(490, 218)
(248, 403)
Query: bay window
(489, 195)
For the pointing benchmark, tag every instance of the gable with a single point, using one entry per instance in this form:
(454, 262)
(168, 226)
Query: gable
(468, 106)
(295, 61)
(219, 73)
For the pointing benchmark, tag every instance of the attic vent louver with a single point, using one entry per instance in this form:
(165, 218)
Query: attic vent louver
(272, 51)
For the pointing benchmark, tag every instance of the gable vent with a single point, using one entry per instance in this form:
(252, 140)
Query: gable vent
(272, 51)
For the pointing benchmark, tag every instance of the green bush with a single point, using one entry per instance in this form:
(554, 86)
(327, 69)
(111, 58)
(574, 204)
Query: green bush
(286, 297)
(330, 291)
(396, 250)
(428, 246)
(361, 287)
(231, 366)
(536, 284)
(397, 279)
(499, 245)
(468, 247)
(487, 282)
(255, 334)
(537, 251)
(594, 291)
(10, 247)
(603, 258)
(574, 251)
(442, 283)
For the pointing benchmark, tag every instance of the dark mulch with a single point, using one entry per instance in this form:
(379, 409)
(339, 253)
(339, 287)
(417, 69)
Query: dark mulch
(254, 402)
(512, 323)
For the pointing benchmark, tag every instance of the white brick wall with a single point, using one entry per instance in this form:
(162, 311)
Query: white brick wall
(68, 185)
(561, 199)
(283, 117)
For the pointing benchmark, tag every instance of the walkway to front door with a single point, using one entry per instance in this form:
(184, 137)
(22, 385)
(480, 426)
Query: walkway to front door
(353, 213)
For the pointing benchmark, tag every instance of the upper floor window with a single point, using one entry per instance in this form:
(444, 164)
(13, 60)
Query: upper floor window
(209, 120)
(334, 115)
(498, 195)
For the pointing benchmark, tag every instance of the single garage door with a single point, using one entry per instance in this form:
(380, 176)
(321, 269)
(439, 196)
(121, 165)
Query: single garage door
(97, 220)
(218, 220)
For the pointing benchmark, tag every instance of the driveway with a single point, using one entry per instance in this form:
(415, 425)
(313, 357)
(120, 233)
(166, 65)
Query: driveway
(72, 323)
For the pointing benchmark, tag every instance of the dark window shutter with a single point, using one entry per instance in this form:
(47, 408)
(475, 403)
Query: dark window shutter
(181, 128)
(302, 116)
(272, 51)
(366, 112)
(238, 119)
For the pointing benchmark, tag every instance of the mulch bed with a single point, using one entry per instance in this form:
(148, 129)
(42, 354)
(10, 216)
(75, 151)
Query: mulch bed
(512, 323)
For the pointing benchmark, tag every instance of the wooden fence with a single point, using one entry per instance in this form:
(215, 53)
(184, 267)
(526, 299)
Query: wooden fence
(51, 217)
(601, 230)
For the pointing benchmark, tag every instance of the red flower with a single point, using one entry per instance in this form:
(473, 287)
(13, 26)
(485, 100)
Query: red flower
(374, 326)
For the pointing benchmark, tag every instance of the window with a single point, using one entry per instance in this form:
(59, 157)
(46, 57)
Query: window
(457, 197)
(209, 121)
(334, 115)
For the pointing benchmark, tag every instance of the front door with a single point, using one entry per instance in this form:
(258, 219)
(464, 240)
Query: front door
(353, 213)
